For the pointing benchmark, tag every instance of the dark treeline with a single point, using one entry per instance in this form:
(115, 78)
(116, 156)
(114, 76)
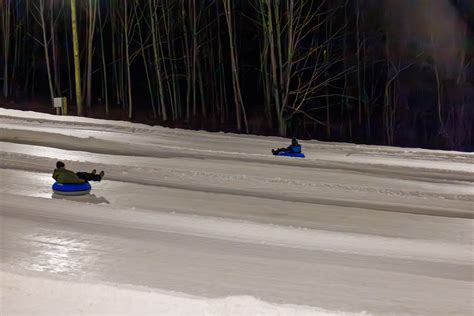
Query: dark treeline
(394, 72)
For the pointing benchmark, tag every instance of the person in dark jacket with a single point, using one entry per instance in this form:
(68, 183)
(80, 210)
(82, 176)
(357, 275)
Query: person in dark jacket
(295, 148)
(65, 176)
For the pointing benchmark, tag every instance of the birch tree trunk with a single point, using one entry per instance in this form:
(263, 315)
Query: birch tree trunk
(77, 65)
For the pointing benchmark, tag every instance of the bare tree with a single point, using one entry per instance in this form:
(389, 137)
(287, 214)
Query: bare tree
(152, 5)
(5, 17)
(296, 72)
(38, 14)
(91, 21)
(104, 64)
(239, 104)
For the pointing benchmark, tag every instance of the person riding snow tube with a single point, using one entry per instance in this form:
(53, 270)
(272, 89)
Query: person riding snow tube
(70, 183)
(294, 150)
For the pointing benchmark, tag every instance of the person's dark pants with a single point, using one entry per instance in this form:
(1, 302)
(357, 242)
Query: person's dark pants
(280, 150)
(88, 176)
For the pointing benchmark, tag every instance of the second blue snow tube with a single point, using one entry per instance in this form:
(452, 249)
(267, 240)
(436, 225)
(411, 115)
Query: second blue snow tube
(289, 154)
(71, 189)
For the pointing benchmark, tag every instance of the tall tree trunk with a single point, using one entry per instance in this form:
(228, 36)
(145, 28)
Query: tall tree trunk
(40, 8)
(195, 52)
(145, 65)
(127, 60)
(68, 59)
(187, 60)
(157, 61)
(5, 27)
(104, 65)
(239, 106)
(91, 16)
(54, 50)
(359, 89)
(77, 65)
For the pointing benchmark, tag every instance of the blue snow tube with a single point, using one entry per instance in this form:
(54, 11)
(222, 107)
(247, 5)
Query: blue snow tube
(71, 189)
(290, 154)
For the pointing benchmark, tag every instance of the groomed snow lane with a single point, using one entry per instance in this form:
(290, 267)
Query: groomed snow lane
(175, 253)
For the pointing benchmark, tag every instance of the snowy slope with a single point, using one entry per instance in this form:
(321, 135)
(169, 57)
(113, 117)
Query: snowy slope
(194, 223)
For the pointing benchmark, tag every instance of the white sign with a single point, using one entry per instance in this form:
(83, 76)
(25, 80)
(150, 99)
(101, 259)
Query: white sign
(58, 102)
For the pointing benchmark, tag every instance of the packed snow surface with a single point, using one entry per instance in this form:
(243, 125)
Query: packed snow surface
(198, 223)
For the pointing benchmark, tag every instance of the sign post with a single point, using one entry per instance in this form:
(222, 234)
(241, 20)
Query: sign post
(60, 104)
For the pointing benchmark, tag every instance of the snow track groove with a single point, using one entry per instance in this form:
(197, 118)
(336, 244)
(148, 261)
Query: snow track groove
(156, 150)
(247, 232)
(205, 187)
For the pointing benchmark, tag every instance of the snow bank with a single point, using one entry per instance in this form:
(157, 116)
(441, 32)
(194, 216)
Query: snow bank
(29, 115)
(34, 296)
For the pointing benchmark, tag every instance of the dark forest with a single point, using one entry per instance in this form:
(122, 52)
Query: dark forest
(390, 72)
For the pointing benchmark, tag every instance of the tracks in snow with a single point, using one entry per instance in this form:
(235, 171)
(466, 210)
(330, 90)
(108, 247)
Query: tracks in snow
(114, 147)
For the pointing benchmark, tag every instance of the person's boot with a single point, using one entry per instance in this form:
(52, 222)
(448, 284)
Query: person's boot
(101, 175)
(94, 171)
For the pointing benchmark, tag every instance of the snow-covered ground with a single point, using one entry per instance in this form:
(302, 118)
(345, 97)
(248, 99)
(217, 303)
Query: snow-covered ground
(197, 223)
